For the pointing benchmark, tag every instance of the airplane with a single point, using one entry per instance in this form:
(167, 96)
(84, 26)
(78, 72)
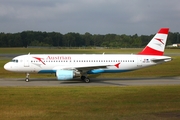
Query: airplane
(69, 66)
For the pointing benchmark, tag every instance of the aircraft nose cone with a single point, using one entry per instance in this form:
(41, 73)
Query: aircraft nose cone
(7, 66)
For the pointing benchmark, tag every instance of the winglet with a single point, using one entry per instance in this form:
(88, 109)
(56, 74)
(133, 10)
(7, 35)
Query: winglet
(157, 44)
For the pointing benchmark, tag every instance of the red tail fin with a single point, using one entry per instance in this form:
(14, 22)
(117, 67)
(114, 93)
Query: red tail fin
(157, 44)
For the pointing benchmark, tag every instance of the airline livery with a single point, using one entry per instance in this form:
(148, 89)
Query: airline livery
(69, 66)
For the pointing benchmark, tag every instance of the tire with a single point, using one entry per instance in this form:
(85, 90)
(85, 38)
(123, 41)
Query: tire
(27, 79)
(87, 80)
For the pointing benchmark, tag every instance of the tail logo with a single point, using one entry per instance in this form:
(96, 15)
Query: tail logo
(160, 40)
(157, 44)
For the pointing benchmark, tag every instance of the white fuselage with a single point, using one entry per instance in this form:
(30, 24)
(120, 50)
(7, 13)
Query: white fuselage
(89, 63)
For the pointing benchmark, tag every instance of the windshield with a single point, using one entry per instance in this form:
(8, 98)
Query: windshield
(14, 60)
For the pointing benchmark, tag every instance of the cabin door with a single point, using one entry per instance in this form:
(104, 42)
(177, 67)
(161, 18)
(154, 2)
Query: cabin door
(139, 61)
(26, 61)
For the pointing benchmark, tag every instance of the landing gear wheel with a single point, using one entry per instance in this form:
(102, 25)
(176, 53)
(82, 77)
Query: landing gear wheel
(27, 79)
(87, 80)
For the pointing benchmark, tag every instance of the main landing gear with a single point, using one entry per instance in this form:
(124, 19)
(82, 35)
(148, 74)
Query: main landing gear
(85, 79)
(27, 77)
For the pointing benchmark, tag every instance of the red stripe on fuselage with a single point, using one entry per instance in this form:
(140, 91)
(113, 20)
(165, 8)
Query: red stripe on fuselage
(149, 51)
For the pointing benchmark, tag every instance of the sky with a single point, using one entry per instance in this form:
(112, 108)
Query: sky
(142, 17)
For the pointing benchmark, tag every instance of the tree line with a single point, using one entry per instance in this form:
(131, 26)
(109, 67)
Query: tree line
(56, 39)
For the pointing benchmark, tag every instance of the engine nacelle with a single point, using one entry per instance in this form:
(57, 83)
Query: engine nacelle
(64, 74)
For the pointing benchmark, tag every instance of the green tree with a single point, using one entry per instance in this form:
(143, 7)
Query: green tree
(87, 37)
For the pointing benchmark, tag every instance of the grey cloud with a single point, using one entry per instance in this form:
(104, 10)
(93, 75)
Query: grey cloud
(96, 17)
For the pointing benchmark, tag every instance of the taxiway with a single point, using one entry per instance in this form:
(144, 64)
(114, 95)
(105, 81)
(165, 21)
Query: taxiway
(94, 82)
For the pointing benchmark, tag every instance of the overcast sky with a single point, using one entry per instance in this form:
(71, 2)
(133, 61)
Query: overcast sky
(93, 16)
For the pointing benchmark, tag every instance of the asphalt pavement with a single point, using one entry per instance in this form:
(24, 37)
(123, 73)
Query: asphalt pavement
(94, 82)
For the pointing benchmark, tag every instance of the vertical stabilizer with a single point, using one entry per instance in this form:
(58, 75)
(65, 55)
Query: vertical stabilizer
(157, 44)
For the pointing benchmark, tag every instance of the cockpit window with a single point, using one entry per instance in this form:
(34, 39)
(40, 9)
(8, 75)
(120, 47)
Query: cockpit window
(14, 60)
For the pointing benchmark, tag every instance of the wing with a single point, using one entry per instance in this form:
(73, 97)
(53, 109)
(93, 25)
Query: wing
(83, 68)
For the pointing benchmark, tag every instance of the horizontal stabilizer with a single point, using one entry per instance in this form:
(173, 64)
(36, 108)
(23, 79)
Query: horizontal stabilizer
(161, 60)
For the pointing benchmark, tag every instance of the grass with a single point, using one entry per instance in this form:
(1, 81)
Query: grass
(76, 51)
(102, 103)
(63, 51)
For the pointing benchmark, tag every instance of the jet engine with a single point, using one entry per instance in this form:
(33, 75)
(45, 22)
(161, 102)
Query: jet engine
(66, 74)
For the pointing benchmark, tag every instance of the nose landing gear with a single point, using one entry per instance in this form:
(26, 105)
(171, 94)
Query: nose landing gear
(27, 77)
